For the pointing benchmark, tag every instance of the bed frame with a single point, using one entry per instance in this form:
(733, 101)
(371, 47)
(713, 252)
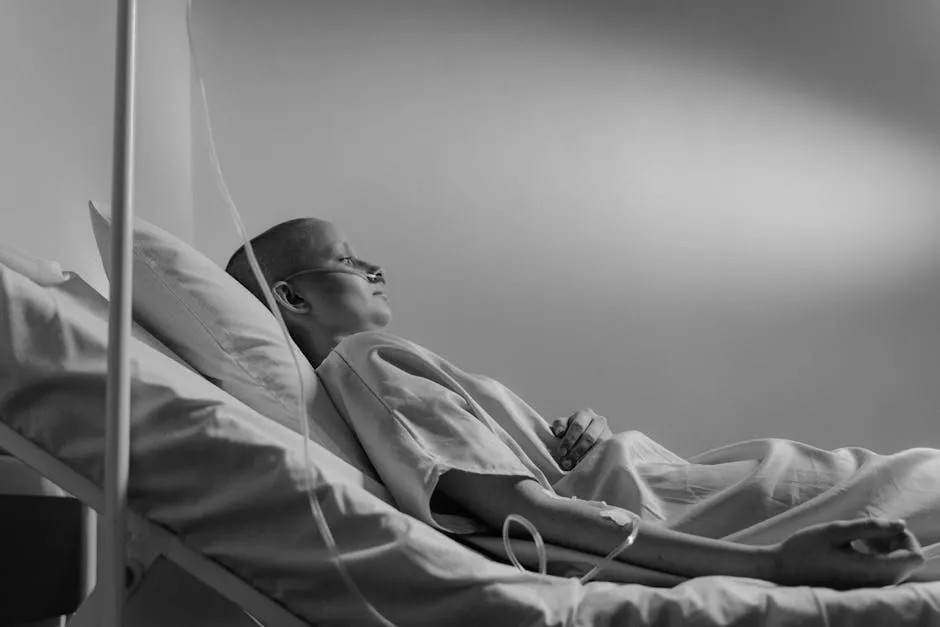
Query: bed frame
(159, 542)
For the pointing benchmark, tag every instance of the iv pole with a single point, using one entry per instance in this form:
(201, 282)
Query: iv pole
(117, 430)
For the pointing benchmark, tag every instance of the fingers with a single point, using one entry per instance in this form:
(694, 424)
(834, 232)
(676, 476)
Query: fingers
(587, 441)
(846, 531)
(579, 433)
(910, 543)
(848, 554)
(876, 571)
(849, 569)
(885, 549)
(895, 566)
(904, 541)
(578, 423)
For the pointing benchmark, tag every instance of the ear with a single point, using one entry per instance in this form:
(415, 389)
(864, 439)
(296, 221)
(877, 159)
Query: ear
(288, 298)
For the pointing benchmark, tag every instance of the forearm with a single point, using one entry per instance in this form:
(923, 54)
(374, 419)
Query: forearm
(578, 524)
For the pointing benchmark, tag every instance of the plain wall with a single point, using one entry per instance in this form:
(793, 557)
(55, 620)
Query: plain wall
(707, 221)
(56, 121)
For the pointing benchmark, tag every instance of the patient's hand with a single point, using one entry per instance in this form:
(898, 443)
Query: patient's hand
(824, 555)
(579, 433)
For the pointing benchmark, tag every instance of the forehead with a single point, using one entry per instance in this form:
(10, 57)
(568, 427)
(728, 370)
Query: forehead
(321, 241)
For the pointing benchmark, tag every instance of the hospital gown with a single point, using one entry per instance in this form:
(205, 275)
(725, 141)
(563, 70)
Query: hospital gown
(418, 416)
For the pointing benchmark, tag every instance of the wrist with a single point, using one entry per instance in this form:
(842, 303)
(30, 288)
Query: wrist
(751, 561)
(771, 567)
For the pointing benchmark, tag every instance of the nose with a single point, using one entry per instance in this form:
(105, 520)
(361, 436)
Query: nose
(375, 274)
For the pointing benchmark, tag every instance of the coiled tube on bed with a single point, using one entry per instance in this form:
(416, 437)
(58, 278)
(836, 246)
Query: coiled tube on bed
(540, 545)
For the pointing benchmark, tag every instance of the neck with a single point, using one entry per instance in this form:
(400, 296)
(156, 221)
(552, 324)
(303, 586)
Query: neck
(316, 344)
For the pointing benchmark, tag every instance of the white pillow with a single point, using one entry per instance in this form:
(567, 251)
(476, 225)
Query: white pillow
(219, 328)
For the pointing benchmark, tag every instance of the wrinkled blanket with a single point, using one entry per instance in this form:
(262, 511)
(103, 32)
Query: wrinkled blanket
(762, 491)
(418, 416)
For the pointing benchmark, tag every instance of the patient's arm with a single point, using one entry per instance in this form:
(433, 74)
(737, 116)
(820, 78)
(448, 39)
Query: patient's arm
(817, 556)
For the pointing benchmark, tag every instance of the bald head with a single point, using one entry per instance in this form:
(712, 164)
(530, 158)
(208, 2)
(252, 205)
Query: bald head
(284, 249)
(323, 291)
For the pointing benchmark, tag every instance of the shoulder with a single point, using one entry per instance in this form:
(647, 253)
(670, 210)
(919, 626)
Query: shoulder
(390, 365)
(386, 347)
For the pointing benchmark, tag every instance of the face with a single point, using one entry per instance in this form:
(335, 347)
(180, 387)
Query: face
(341, 298)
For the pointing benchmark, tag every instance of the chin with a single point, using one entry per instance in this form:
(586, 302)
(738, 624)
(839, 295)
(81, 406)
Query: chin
(375, 322)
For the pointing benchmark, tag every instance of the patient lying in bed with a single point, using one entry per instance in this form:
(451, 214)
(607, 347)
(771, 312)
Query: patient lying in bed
(462, 452)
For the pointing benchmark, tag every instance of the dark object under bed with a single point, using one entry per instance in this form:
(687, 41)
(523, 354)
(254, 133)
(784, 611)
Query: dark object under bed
(42, 567)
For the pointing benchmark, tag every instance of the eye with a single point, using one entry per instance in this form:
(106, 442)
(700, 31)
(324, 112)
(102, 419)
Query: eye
(349, 261)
